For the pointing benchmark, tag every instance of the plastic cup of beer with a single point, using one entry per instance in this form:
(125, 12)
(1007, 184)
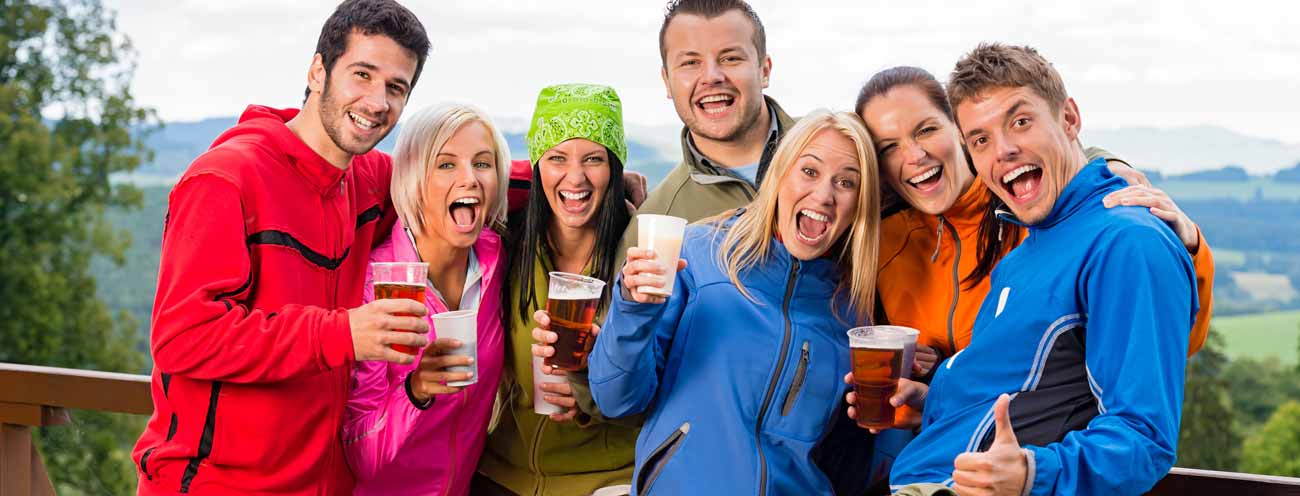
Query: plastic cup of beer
(461, 325)
(909, 336)
(663, 234)
(540, 405)
(877, 357)
(400, 280)
(571, 302)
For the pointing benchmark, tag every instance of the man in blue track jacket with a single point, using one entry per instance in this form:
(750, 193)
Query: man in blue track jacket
(1073, 381)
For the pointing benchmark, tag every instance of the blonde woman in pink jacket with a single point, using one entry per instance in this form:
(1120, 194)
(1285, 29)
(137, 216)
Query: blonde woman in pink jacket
(405, 431)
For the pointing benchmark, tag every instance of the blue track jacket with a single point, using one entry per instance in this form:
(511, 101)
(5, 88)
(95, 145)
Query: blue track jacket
(1086, 326)
(737, 393)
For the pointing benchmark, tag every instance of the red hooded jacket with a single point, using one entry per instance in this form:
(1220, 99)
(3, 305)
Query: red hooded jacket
(264, 248)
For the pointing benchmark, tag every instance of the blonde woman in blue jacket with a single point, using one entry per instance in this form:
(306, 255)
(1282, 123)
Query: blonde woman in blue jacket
(739, 370)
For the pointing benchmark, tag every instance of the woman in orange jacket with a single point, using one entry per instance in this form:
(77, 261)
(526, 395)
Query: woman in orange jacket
(934, 266)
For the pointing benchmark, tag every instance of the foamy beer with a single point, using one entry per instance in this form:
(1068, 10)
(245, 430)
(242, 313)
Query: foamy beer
(663, 234)
(571, 302)
(400, 280)
(877, 364)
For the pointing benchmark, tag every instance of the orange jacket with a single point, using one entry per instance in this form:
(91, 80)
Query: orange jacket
(919, 286)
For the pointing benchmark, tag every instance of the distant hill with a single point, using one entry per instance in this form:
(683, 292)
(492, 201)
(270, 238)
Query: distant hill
(1291, 175)
(1232, 173)
(1188, 149)
(178, 143)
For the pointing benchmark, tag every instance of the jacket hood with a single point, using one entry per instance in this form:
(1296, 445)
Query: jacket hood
(265, 124)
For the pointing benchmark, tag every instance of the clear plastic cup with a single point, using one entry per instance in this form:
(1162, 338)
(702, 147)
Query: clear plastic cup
(571, 303)
(877, 358)
(461, 325)
(663, 234)
(398, 280)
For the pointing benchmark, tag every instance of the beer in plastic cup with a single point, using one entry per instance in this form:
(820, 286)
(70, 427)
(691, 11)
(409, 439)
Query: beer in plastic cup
(571, 302)
(663, 234)
(400, 280)
(461, 325)
(908, 335)
(540, 405)
(877, 364)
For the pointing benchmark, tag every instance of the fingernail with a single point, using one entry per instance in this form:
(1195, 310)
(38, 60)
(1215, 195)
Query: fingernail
(471, 360)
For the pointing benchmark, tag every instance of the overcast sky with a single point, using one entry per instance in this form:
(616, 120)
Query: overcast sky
(1161, 63)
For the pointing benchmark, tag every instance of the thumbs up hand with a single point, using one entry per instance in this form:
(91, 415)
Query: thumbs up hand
(1001, 470)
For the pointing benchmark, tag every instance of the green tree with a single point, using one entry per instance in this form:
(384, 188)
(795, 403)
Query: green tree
(67, 123)
(1275, 448)
(1208, 438)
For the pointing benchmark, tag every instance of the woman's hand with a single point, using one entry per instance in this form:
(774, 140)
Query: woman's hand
(910, 393)
(642, 271)
(924, 360)
(431, 376)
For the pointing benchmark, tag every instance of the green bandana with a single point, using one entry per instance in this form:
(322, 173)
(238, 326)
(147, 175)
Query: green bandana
(567, 111)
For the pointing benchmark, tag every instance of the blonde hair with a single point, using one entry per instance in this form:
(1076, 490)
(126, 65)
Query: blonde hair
(423, 136)
(748, 242)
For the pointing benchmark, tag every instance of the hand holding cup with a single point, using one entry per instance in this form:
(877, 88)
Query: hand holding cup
(642, 272)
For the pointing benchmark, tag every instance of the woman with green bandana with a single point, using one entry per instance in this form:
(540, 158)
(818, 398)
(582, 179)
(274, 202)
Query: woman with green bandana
(573, 222)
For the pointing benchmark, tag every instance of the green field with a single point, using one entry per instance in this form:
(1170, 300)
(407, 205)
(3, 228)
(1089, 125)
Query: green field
(1243, 190)
(1261, 334)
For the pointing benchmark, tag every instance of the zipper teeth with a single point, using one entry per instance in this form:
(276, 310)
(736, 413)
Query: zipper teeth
(771, 386)
(800, 374)
(956, 287)
(537, 441)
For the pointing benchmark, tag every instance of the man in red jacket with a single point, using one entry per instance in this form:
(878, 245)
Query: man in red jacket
(258, 312)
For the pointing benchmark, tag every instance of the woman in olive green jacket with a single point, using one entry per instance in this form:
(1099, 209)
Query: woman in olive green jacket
(573, 222)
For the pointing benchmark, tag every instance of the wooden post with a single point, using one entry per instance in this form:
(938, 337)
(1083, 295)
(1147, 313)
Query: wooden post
(15, 459)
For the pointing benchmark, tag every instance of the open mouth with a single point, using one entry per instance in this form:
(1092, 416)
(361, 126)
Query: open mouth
(1023, 182)
(465, 213)
(362, 122)
(811, 226)
(927, 180)
(715, 104)
(575, 201)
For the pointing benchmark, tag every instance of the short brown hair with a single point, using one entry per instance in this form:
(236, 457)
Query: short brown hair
(994, 65)
(710, 9)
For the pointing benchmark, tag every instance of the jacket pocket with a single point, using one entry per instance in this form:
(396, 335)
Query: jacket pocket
(654, 464)
(797, 383)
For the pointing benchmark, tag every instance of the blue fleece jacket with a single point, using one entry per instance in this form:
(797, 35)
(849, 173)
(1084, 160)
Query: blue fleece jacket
(1086, 326)
(737, 393)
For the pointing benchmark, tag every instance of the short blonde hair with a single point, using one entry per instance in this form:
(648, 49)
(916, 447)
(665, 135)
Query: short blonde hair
(747, 242)
(423, 136)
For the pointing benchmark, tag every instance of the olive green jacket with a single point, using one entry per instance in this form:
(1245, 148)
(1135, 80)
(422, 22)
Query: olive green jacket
(530, 454)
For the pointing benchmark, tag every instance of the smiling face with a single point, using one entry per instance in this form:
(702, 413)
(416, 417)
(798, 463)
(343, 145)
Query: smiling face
(715, 75)
(574, 176)
(919, 149)
(364, 94)
(460, 191)
(819, 195)
(1023, 149)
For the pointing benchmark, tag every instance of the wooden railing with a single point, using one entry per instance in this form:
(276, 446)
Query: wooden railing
(32, 396)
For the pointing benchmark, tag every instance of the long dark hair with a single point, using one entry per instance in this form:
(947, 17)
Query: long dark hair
(529, 238)
(995, 240)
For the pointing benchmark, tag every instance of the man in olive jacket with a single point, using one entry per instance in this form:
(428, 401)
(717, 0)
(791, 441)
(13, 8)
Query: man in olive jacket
(715, 67)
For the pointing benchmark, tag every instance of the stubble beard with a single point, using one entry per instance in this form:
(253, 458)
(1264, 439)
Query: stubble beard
(331, 115)
(749, 119)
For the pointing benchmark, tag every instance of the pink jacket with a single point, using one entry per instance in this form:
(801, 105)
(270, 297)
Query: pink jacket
(395, 448)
